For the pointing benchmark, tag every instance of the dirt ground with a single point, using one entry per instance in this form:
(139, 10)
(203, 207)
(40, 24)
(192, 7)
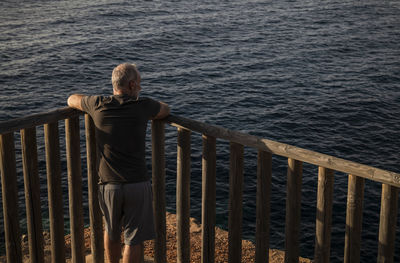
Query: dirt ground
(221, 248)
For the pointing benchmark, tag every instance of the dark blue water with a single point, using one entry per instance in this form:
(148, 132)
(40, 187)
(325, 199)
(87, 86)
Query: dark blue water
(319, 75)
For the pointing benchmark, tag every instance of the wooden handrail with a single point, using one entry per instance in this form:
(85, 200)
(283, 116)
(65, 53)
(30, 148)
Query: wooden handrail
(38, 119)
(273, 147)
(289, 151)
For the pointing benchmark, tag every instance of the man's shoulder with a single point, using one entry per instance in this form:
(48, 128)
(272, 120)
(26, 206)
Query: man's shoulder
(148, 101)
(93, 101)
(100, 97)
(151, 106)
(145, 99)
(96, 98)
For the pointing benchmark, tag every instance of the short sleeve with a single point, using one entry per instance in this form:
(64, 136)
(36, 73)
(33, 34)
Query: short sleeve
(90, 103)
(152, 107)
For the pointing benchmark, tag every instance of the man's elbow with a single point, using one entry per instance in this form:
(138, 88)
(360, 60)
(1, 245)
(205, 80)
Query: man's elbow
(74, 101)
(69, 101)
(164, 111)
(167, 111)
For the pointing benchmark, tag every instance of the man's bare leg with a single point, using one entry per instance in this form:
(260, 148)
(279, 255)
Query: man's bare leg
(112, 248)
(133, 254)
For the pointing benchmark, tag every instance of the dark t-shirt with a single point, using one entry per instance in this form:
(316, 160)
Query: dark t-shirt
(121, 123)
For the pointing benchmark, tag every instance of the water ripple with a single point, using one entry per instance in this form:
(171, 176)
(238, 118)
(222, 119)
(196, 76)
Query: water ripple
(323, 77)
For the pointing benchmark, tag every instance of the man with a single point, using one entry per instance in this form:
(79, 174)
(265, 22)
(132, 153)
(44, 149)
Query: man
(125, 192)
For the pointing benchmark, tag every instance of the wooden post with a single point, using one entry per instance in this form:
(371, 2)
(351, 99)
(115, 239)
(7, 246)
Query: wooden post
(355, 196)
(96, 220)
(324, 215)
(264, 174)
(208, 200)
(235, 203)
(75, 189)
(158, 163)
(56, 213)
(387, 225)
(183, 196)
(10, 198)
(32, 194)
(293, 209)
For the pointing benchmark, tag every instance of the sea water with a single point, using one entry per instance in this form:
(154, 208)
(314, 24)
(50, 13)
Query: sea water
(324, 76)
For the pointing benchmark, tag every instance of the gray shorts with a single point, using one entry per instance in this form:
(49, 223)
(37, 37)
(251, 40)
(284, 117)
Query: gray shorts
(128, 206)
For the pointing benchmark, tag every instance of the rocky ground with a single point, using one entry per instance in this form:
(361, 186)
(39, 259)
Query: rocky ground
(221, 248)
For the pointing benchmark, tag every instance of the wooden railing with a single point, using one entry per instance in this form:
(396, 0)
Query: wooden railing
(266, 149)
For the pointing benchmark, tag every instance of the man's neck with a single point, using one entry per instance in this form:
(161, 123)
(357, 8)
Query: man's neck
(125, 92)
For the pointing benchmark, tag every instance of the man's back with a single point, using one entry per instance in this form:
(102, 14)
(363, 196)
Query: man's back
(121, 123)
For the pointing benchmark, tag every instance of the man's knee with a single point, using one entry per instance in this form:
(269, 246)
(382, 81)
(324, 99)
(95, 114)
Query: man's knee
(133, 253)
(136, 246)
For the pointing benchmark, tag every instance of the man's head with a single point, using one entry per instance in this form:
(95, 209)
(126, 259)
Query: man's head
(126, 80)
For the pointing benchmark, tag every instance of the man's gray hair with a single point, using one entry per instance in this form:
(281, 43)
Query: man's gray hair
(122, 74)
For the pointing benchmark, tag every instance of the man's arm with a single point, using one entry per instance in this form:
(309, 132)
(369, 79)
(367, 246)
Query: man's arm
(164, 111)
(74, 101)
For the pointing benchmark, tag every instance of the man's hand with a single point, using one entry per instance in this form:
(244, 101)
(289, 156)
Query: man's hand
(164, 111)
(74, 101)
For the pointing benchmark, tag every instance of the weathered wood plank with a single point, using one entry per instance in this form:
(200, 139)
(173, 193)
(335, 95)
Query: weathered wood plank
(37, 119)
(75, 189)
(289, 151)
(96, 220)
(276, 148)
(56, 213)
(183, 196)
(293, 208)
(10, 198)
(158, 163)
(208, 200)
(32, 194)
(264, 175)
(387, 225)
(235, 203)
(355, 196)
(324, 215)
